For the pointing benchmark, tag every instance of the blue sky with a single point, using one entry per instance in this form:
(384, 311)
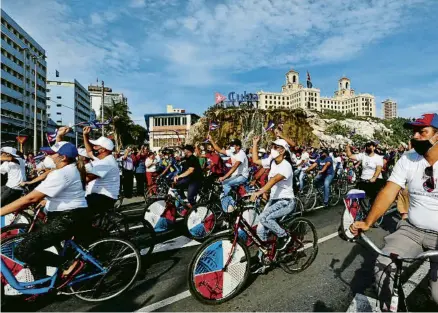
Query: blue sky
(181, 52)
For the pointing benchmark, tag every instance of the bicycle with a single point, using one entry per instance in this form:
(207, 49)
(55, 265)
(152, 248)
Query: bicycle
(221, 266)
(316, 196)
(106, 269)
(397, 297)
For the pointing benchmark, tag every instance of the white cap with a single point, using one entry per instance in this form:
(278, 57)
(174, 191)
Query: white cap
(83, 152)
(10, 150)
(262, 150)
(282, 143)
(104, 143)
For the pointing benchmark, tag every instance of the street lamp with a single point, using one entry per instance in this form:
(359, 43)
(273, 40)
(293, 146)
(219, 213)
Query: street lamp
(35, 59)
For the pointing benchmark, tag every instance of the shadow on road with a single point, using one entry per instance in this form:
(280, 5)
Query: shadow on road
(320, 306)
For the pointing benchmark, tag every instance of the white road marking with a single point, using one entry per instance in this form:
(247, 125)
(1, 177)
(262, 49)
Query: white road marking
(163, 303)
(176, 243)
(363, 303)
(186, 294)
(132, 210)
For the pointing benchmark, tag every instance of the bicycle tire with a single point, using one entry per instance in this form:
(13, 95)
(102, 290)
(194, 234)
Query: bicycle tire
(299, 245)
(209, 259)
(98, 254)
(335, 195)
(112, 224)
(13, 230)
(141, 234)
(200, 222)
(309, 201)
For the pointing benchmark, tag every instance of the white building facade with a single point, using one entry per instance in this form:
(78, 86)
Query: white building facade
(19, 55)
(109, 99)
(68, 103)
(294, 95)
(389, 109)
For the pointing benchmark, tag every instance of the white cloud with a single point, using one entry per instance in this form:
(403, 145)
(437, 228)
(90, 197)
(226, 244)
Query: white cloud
(96, 19)
(137, 3)
(417, 109)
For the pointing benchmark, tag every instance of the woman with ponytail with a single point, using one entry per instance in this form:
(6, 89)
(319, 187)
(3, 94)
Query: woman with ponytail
(64, 189)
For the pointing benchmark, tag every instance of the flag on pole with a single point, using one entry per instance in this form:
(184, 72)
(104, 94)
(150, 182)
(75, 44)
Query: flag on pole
(213, 126)
(270, 126)
(219, 98)
(51, 137)
(309, 82)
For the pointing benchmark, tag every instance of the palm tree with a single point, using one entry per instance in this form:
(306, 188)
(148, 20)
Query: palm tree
(121, 122)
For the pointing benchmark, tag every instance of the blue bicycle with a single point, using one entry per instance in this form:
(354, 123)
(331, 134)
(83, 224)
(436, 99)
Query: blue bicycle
(104, 270)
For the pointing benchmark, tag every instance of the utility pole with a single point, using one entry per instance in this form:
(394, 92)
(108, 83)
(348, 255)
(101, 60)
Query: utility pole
(42, 130)
(35, 110)
(103, 98)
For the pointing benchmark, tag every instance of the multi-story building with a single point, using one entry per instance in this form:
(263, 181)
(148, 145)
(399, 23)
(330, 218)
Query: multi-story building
(294, 95)
(389, 109)
(20, 55)
(171, 109)
(168, 129)
(68, 103)
(109, 99)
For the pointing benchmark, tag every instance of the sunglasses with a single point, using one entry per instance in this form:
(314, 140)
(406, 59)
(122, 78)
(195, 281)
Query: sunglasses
(429, 184)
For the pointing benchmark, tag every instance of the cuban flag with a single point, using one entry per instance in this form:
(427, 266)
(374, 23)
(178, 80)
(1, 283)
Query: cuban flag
(95, 124)
(270, 126)
(213, 126)
(51, 137)
(219, 98)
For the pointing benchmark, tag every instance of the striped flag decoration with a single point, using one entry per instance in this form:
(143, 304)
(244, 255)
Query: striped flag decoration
(213, 126)
(51, 137)
(270, 126)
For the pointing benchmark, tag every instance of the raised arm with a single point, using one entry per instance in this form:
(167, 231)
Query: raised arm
(215, 146)
(289, 141)
(255, 155)
(349, 154)
(62, 131)
(86, 133)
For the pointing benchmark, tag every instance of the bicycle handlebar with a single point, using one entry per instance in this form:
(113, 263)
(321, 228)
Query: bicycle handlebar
(422, 255)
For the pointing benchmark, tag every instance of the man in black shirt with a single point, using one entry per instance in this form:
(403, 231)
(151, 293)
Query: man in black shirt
(191, 176)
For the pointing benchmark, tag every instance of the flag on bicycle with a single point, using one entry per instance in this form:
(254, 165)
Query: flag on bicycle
(270, 126)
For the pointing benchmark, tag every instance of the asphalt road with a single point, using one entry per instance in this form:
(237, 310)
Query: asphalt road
(339, 272)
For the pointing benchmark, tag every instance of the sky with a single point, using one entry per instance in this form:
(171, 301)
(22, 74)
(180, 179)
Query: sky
(160, 52)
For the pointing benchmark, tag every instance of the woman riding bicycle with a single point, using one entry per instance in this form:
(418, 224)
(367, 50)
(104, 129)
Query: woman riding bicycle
(280, 182)
(64, 189)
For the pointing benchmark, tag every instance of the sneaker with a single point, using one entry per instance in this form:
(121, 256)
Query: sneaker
(282, 242)
(326, 205)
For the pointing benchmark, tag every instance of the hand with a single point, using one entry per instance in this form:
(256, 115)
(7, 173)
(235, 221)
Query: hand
(221, 179)
(63, 130)
(255, 140)
(278, 133)
(357, 226)
(24, 183)
(252, 183)
(86, 130)
(175, 179)
(42, 204)
(373, 180)
(209, 137)
(254, 196)
(319, 172)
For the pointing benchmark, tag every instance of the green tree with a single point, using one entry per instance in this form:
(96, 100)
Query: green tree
(138, 135)
(338, 129)
(121, 122)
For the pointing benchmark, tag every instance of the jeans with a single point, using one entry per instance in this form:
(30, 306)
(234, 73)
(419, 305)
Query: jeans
(406, 241)
(326, 180)
(301, 174)
(192, 186)
(274, 209)
(227, 184)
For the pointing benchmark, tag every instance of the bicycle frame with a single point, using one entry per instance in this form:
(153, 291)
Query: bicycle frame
(30, 287)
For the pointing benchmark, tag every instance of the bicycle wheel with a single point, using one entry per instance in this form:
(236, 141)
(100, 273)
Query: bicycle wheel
(299, 208)
(303, 249)
(200, 221)
(122, 261)
(309, 201)
(141, 234)
(112, 224)
(335, 195)
(210, 281)
(13, 230)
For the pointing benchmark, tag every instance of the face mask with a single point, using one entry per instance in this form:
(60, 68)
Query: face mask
(421, 146)
(233, 149)
(322, 157)
(49, 163)
(274, 153)
(368, 150)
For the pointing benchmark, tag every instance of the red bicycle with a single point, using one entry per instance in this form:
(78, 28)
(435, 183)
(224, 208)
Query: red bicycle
(221, 265)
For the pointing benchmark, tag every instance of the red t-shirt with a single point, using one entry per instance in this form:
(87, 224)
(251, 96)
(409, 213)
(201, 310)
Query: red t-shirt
(217, 165)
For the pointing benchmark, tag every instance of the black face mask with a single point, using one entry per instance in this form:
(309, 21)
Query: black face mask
(322, 157)
(368, 150)
(421, 146)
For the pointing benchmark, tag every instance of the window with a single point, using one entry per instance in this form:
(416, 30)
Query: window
(58, 97)
(184, 120)
(58, 113)
(47, 90)
(47, 98)
(58, 83)
(58, 105)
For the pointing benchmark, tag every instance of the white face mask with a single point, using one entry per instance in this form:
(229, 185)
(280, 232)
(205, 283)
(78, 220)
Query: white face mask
(274, 153)
(233, 149)
(49, 163)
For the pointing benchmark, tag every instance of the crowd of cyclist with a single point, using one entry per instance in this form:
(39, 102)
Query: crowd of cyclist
(75, 183)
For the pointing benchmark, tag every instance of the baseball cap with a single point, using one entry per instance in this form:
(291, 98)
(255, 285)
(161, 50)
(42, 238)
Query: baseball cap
(189, 147)
(62, 148)
(282, 143)
(429, 119)
(236, 142)
(104, 143)
(10, 150)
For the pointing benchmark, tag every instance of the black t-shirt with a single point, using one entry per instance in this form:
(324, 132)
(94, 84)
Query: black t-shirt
(192, 161)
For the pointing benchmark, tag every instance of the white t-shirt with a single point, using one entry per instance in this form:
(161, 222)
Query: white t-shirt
(108, 183)
(369, 165)
(243, 166)
(16, 173)
(284, 188)
(423, 205)
(63, 188)
(148, 162)
(305, 158)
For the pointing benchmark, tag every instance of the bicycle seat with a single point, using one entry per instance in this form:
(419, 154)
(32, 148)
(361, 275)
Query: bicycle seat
(355, 194)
